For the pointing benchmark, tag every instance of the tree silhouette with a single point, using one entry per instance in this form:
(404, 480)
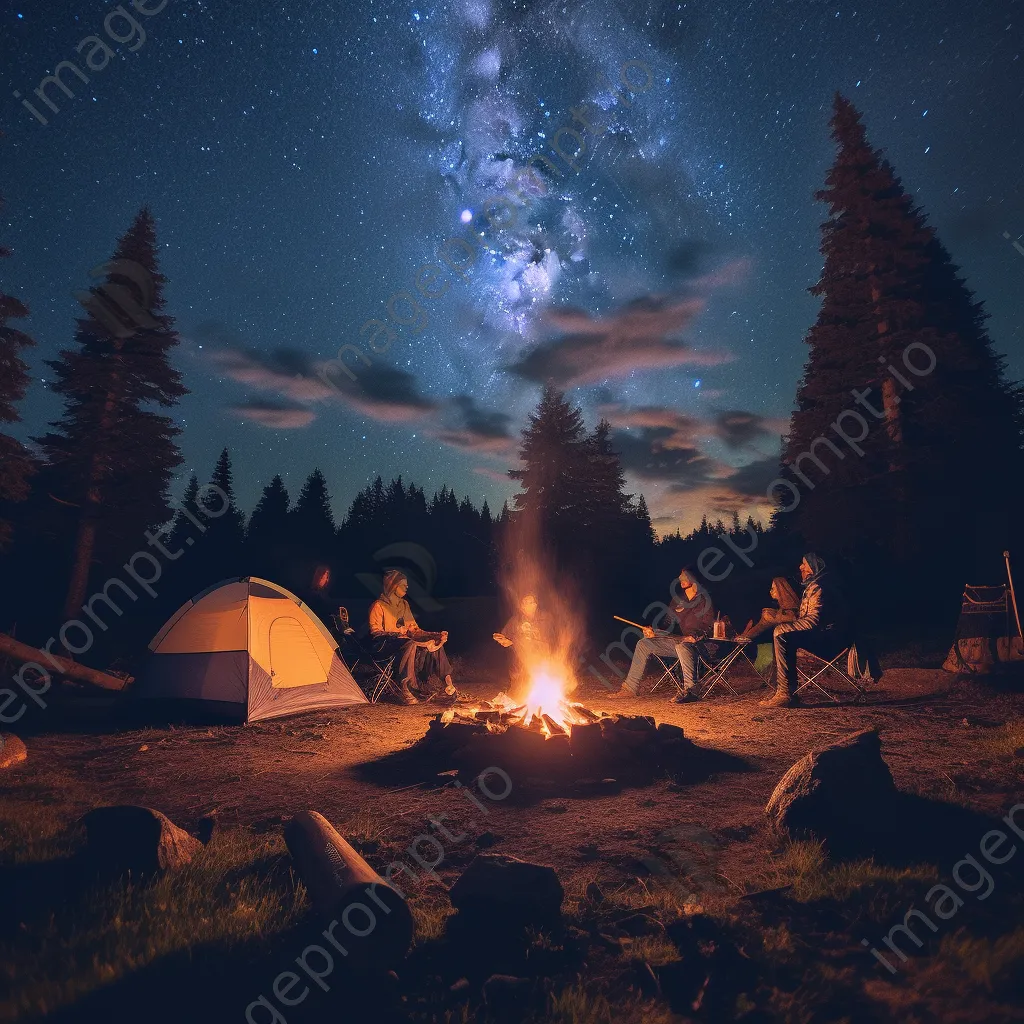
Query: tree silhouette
(110, 455)
(898, 354)
(268, 529)
(15, 462)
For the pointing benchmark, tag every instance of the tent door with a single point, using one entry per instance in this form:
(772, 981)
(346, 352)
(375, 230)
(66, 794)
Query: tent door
(293, 660)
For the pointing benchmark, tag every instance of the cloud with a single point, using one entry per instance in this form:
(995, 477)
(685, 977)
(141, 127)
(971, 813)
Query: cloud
(380, 391)
(739, 429)
(286, 372)
(735, 428)
(279, 415)
(638, 336)
(652, 453)
(383, 393)
(473, 428)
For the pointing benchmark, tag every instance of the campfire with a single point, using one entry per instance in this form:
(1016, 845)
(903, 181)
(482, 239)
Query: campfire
(546, 708)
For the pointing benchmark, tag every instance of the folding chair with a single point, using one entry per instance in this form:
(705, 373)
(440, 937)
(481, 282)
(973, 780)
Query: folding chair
(374, 672)
(824, 669)
(670, 670)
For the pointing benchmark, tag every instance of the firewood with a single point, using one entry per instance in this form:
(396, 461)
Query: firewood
(340, 883)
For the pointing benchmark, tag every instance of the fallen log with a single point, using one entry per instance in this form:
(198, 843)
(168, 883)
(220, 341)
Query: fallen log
(65, 667)
(375, 923)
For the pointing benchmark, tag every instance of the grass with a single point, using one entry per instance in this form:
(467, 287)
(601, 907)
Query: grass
(1007, 739)
(238, 889)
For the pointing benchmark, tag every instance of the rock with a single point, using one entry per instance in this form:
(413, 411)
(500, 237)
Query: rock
(12, 750)
(508, 997)
(137, 840)
(668, 731)
(499, 888)
(834, 793)
(485, 840)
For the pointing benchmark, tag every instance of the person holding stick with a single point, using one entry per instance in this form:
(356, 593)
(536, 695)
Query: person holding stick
(694, 615)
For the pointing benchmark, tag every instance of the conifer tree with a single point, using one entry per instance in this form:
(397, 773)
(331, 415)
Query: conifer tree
(312, 519)
(900, 343)
(110, 455)
(267, 531)
(554, 456)
(220, 552)
(15, 463)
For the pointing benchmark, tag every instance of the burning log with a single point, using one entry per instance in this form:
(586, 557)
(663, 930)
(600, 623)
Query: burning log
(341, 884)
(62, 666)
(553, 727)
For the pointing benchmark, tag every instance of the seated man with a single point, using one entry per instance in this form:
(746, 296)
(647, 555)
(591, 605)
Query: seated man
(528, 635)
(695, 616)
(820, 627)
(394, 630)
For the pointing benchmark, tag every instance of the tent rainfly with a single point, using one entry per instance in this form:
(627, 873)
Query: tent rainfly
(247, 649)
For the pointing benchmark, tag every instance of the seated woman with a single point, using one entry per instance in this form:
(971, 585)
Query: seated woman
(820, 627)
(394, 630)
(528, 635)
(783, 594)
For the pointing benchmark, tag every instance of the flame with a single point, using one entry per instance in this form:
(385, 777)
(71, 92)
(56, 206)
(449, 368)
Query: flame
(548, 696)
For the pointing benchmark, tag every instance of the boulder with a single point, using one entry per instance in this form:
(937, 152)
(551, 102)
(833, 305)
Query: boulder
(835, 793)
(497, 888)
(137, 840)
(12, 750)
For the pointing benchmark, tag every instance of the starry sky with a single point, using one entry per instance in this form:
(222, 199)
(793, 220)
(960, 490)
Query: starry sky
(481, 195)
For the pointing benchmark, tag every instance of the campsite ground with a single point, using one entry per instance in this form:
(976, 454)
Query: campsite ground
(205, 943)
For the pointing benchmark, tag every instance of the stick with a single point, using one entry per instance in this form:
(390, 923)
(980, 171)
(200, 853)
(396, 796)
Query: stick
(629, 622)
(1013, 595)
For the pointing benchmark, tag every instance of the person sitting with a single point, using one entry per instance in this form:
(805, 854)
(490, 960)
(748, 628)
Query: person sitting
(695, 616)
(783, 594)
(394, 630)
(820, 627)
(528, 635)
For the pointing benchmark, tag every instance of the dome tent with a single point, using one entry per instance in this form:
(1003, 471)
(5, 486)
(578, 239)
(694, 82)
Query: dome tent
(248, 649)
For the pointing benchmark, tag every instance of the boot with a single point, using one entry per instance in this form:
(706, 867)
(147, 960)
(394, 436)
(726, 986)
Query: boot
(780, 699)
(406, 695)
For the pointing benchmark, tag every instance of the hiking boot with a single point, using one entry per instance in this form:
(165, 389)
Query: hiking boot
(780, 699)
(406, 695)
(686, 697)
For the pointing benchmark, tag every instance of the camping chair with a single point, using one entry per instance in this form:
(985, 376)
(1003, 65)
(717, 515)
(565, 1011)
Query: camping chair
(373, 671)
(670, 670)
(816, 668)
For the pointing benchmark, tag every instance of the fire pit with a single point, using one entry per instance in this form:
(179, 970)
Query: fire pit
(549, 736)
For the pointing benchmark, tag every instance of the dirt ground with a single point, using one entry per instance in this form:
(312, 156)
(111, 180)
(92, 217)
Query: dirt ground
(944, 738)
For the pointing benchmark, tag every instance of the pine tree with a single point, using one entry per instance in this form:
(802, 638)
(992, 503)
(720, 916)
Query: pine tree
(110, 454)
(900, 342)
(554, 455)
(268, 524)
(15, 463)
(220, 552)
(312, 520)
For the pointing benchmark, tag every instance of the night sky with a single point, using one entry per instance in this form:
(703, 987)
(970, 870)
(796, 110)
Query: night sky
(304, 163)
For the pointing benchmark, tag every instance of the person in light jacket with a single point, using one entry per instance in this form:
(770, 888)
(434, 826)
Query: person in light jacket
(394, 630)
(821, 627)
